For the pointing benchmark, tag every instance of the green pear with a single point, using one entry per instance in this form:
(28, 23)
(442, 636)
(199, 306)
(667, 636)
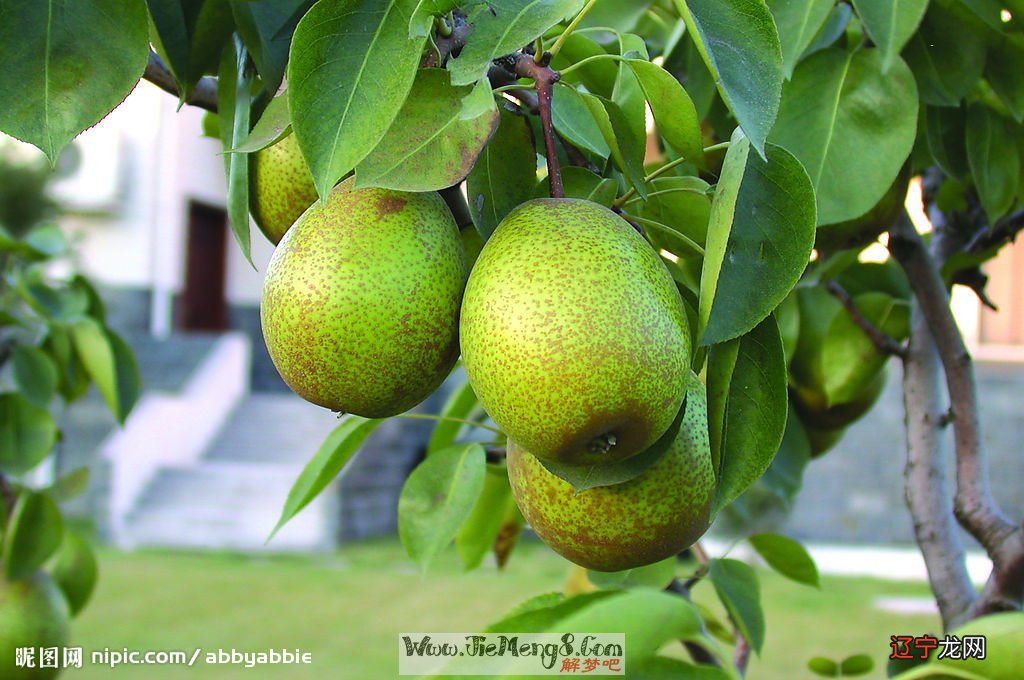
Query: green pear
(860, 231)
(646, 519)
(573, 333)
(822, 441)
(281, 187)
(33, 614)
(360, 306)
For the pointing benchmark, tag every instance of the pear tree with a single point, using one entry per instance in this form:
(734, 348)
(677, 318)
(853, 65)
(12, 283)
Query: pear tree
(639, 226)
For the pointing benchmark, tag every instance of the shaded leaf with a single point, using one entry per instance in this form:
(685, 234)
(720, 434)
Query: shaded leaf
(737, 587)
(192, 33)
(739, 43)
(657, 575)
(34, 532)
(27, 434)
(430, 146)
(946, 133)
(827, 668)
(798, 21)
(351, 67)
(75, 570)
(274, 125)
(627, 150)
(760, 235)
(1004, 69)
(327, 463)
(35, 374)
(502, 29)
(71, 485)
(437, 498)
(234, 89)
(267, 26)
(858, 664)
(573, 120)
(110, 364)
(946, 57)
(672, 109)
(503, 176)
(59, 77)
(890, 24)
(478, 534)
(460, 404)
(995, 165)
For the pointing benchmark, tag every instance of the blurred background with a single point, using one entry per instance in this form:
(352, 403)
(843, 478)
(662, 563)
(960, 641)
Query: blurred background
(184, 496)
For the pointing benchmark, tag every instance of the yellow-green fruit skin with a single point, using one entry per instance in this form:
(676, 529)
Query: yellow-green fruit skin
(281, 188)
(611, 528)
(360, 305)
(573, 333)
(33, 614)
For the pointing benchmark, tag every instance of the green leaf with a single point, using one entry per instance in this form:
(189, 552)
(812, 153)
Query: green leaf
(597, 76)
(627, 150)
(947, 58)
(946, 132)
(460, 404)
(754, 256)
(478, 534)
(573, 120)
(234, 88)
(746, 386)
(854, 146)
(995, 165)
(437, 498)
(657, 575)
(1005, 75)
(351, 68)
(788, 557)
(274, 125)
(64, 66)
(826, 668)
(849, 359)
(34, 532)
(672, 108)
(72, 485)
(798, 21)
(737, 587)
(193, 34)
(430, 146)
(502, 177)
(740, 45)
(75, 570)
(35, 374)
(834, 28)
(504, 28)
(267, 26)
(27, 434)
(423, 16)
(327, 463)
(110, 364)
(858, 664)
(890, 24)
(545, 611)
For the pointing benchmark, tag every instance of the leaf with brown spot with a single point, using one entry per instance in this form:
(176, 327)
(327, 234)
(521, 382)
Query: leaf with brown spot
(429, 146)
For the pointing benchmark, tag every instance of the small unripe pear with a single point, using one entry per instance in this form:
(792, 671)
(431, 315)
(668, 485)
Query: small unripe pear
(646, 519)
(573, 333)
(281, 187)
(360, 306)
(33, 614)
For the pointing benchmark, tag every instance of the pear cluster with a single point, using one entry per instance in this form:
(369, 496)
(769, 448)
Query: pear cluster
(573, 335)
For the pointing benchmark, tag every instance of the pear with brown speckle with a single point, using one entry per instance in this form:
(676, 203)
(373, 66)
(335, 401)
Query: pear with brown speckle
(573, 333)
(360, 306)
(651, 517)
(281, 187)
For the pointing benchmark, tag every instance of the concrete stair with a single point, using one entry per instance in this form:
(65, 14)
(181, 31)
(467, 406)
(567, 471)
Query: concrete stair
(232, 496)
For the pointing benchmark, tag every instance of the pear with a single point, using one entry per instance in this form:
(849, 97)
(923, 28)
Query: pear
(655, 515)
(573, 333)
(281, 187)
(33, 614)
(360, 305)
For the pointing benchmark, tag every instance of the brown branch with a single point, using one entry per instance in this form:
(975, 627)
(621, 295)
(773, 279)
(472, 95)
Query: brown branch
(697, 653)
(973, 504)
(526, 66)
(203, 95)
(741, 656)
(8, 496)
(882, 341)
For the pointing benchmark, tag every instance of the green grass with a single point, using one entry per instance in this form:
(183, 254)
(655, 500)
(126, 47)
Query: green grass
(347, 609)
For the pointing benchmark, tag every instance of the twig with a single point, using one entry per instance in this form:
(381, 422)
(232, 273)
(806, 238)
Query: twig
(203, 95)
(973, 504)
(448, 45)
(741, 657)
(544, 78)
(882, 341)
(697, 653)
(8, 496)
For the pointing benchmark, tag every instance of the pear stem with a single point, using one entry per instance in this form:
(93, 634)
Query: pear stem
(544, 78)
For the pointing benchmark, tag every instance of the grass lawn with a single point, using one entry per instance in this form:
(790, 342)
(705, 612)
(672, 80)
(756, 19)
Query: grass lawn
(347, 609)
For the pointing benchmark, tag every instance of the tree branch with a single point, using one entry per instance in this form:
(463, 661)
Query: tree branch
(926, 485)
(526, 66)
(883, 342)
(973, 504)
(697, 653)
(204, 95)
